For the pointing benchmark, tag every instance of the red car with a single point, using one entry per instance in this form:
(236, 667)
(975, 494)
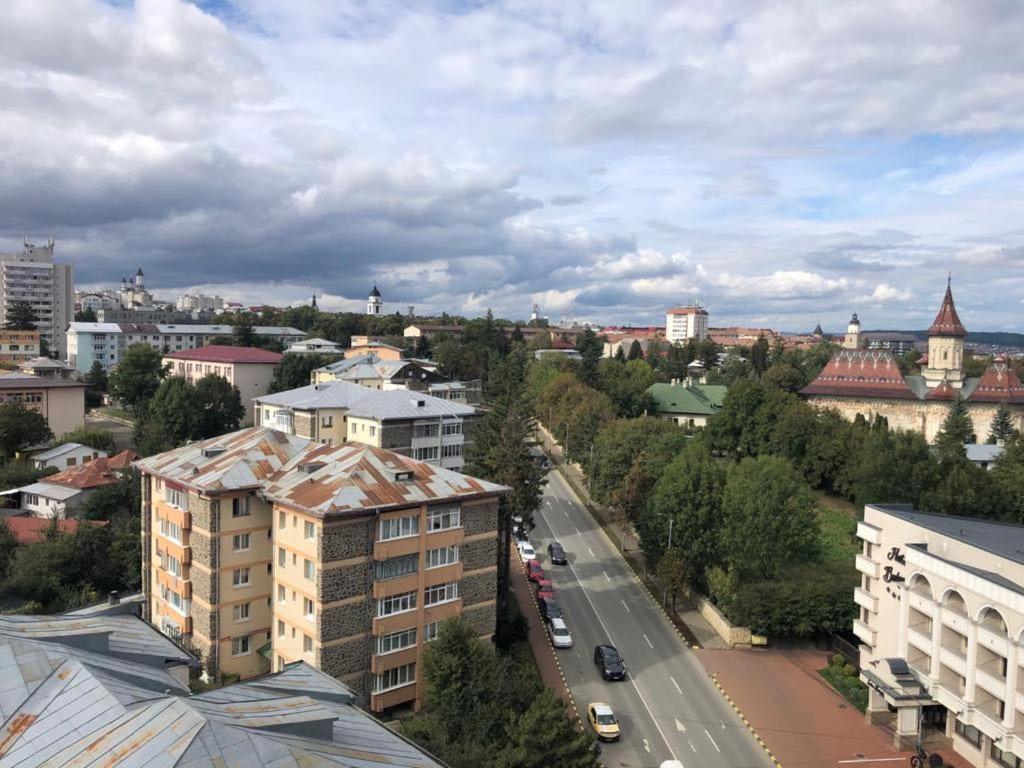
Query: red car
(545, 589)
(534, 570)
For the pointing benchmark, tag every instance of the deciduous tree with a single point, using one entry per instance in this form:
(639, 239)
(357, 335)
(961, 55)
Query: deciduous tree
(21, 427)
(137, 376)
(220, 407)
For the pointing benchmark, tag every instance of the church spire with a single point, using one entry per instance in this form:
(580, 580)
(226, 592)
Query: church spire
(947, 322)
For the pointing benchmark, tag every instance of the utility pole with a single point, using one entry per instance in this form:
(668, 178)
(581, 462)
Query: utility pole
(670, 520)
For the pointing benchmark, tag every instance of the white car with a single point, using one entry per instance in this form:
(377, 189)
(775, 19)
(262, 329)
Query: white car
(526, 551)
(560, 637)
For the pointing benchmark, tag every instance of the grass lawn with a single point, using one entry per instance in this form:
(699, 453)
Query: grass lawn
(839, 542)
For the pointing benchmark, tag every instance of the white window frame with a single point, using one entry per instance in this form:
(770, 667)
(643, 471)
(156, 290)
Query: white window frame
(439, 594)
(175, 498)
(309, 530)
(237, 539)
(307, 644)
(430, 631)
(442, 556)
(236, 577)
(406, 527)
(395, 604)
(436, 518)
(282, 594)
(172, 565)
(308, 609)
(309, 569)
(237, 643)
(240, 506)
(241, 612)
(396, 641)
(397, 677)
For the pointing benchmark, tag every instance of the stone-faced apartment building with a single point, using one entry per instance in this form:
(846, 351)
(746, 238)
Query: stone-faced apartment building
(264, 548)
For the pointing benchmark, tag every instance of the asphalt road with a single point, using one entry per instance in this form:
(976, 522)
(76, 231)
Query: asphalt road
(668, 707)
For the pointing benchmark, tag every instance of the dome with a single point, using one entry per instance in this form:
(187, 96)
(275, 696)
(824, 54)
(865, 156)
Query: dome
(375, 294)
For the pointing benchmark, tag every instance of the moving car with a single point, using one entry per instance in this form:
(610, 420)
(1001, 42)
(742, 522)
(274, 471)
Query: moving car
(545, 589)
(534, 570)
(557, 554)
(603, 721)
(526, 552)
(549, 609)
(607, 659)
(560, 637)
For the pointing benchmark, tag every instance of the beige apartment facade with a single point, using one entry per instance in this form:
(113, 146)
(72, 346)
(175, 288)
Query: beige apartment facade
(941, 623)
(17, 347)
(62, 403)
(265, 549)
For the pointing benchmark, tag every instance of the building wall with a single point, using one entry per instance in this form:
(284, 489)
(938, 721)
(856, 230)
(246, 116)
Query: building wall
(945, 361)
(32, 276)
(325, 425)
(252, 379)
(18, 346)
(62, 406)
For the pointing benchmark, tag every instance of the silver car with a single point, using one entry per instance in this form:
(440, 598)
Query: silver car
(560, 637)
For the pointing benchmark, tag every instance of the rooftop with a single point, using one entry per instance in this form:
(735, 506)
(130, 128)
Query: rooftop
(695, 398)
(28, 530)
(16, 380)
(1004, 540)
(983, 452)
(91, 474)
(695, 310)
(223, 353)
(947, 321)
(329, 394)
(397, 404)
(863, 373)
(59, 450)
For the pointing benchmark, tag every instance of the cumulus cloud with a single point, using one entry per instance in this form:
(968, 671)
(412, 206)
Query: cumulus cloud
(885, 293)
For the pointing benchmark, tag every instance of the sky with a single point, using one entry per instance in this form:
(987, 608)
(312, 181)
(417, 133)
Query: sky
(784, 163)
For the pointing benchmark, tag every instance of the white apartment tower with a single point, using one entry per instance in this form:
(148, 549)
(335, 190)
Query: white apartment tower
(49, 288)
(685, 323)
(374, 304)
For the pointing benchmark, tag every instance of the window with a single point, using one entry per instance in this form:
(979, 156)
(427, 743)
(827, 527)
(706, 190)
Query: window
(282, 519)
(441, 593)
(452, 429)
(1006, 759)
(280, 628)
(450, 451)
(396, 641)
(172, 565)
(240, 506)
(425, 454)
(309, 531)
(394, 567)
(388, 606)
(399, 527)
(394, 678)
(373, 431)
(424, 430)
(240, 542)
(240, 612)
(443, 518)
(327, 422)
(307, 644)
(307, 608)
(282, 557)
(430, 630)
(240, 577)
(175, 498)
(308, 569)
(240, 646)
(968, 733)
(442, 556)
(282, 594)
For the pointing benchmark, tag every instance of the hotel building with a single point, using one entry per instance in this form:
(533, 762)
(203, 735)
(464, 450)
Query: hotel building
(263, 548)
(942, 623)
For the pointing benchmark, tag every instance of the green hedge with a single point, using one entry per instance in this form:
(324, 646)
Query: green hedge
(852, 689)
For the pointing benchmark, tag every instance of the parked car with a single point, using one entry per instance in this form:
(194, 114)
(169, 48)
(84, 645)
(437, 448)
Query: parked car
(526, 552)
(603, 721)
(545, 589)
(557, 554)
(608, 661)
(549, 609)
(534, 571)
(560, 637)
(544, 461)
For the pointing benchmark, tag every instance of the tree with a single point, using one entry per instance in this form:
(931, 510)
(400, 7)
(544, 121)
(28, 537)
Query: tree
(21, 427)
(887, 467)
(672, 574)
(87, 315)
(21, 317)
(171, 417)
(19, 472)
(296, 370)
(591, 349)
(95, 383)
(1008, 476)
(626, 384)
(784, 376)
(220, 407)
(422, 349)
(544, 736)
(1001, 429)
(8, 547)
(636, 352)
(94, 437)
(620, 356)
(137, 377)
(243, 334)
(617, 446)
(760, 356)
(768, 518)
(957, 430)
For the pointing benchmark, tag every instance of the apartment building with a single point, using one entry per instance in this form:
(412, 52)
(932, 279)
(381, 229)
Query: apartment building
(17, 347)
(264, 549)
(198, 302)
(250, 369)
(31, 276)
(107, 342)
(372, 370)
(942, 622)
(685, 323)
(61, 402)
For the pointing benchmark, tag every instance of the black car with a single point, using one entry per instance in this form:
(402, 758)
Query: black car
(557, 554)
(549, 609)
(609, 662)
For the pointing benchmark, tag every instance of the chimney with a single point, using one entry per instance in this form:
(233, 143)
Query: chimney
(114, 598)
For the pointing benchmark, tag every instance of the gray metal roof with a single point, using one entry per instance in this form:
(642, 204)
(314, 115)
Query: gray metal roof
(60, 450)
(329, 394)
(65, 706)
(1004, 540)
(398, 404)
(51, 491)
(983, 452)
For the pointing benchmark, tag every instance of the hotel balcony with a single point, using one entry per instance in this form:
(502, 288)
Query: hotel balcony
(869, 533)
(865, 599)
(864, 632)
(867, 566)
(919, 640)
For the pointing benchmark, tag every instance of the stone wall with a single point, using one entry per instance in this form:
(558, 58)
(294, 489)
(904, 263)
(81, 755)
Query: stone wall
(348, 658)
(481, 553)
(480, 518)
(204, 513)
(343, 542)
(396, 436)
(479, 587)
(482, 618)
(146, 534)
(360, 683)
(201, 552)
(334, 584)
(344, 620)
(204, 621)
(734, 637)
(304, 424)
(204, 584)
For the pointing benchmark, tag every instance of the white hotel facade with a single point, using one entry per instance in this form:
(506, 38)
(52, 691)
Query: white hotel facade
(942, 623)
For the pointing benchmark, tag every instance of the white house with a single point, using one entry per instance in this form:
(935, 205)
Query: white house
(321, 346)
(66, 455)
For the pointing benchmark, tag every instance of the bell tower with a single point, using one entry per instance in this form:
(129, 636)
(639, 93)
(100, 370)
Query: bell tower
(852, 338)
(945, 345)
(374, 304)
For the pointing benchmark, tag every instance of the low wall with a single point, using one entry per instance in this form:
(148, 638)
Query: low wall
(734, 637)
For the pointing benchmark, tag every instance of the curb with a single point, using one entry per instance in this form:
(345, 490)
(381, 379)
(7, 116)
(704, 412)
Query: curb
(743, 719)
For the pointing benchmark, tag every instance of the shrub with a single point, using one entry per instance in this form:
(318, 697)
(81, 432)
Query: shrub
(802, 602)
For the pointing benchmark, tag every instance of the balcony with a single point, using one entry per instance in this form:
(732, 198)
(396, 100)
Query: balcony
(919, 640)
(385, 625)
(990, 683)
(867, 566)
(442, 611)
(864, 632)
(954, 661)
(381, 701)
(993, 641)
(865, 599)
(869, 533)
(385, 550)
(384, 587)
(394, 659)
(922, 603)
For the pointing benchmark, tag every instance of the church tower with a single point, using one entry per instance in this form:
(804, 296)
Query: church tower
(852, 338)
(374, 305)
(946, 346)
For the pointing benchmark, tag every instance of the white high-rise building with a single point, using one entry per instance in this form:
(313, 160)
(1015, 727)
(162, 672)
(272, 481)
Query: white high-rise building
(685, 323)
(198, 302)
(49, 288)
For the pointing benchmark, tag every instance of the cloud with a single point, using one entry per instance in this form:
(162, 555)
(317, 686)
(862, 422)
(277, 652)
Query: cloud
(884, 293)
(567, 200)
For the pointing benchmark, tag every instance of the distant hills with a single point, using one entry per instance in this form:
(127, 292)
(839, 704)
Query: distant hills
(995, 338)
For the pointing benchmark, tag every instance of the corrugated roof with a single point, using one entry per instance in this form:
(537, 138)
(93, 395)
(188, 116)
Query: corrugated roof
(91, 474)
(329, 394)
(18, 380)
(223, 353)
(404, 404)
(50, 491)
(59, 450)
(28, 530)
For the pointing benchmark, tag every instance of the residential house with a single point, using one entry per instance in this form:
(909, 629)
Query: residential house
(66, 455)
(688, 403)
(685, 323)
(983, 455)
(29, 530)
(316, 412)
(379, 349)
(316, 346)
(373, 371)
(264, 549)
(62, 403)
(63, 494)
(250, 369)
(45, 368)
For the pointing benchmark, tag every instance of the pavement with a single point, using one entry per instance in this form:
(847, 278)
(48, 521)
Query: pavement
(668, 707)
(120, 430)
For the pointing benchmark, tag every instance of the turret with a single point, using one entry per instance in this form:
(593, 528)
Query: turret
(946, 345)
(374, 304)
(852, 338)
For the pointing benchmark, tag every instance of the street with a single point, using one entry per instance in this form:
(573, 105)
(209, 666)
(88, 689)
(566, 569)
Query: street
(668, 707)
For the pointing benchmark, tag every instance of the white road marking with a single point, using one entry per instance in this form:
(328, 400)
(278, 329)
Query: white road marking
(591, 552)
(691, 745)
(609, 578)
(649, 642)
(872, 760)
(566, 512)
(625, 606)
(675, 684)
(647, 747)
(679, 726)
(577, 531)
(712, 741)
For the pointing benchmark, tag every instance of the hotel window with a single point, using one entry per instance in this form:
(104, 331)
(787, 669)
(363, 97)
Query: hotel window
(280, 628)
(1007, 759)
(399, 527)
(396, 641)
(442, 556)
(309, 531)
(175, 498)
(282, 557)
(240, 577)
(240, 542)
(394, 567)
(425, 454)
(307, 608)
(968, 733)
(389, 606)
(240, 646)
(394, 678)
(441, 593)
(240, 506)
(308, 569)
(240, 612)
(430, 630)
(307, 644)
(444, 518)
(282, 594)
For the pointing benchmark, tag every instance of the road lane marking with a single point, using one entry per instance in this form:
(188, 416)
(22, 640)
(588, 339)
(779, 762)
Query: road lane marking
(607, 577)
(872, 760)
(675, 684)
(625, 606)
(691, 745)
(591, 552)
(712, 741)
(679, 726)
(577, 531)
(649, 642)
(647, 747)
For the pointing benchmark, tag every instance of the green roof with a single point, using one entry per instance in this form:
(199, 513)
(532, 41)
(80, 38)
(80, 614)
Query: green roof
(703, 399)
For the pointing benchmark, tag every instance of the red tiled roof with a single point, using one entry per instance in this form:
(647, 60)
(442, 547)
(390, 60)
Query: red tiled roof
(29, 530)
(947, 322)
(942, 392)
(999, 384)
(222, 353)
(861, 373)
(92, 474)
(122, 460)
